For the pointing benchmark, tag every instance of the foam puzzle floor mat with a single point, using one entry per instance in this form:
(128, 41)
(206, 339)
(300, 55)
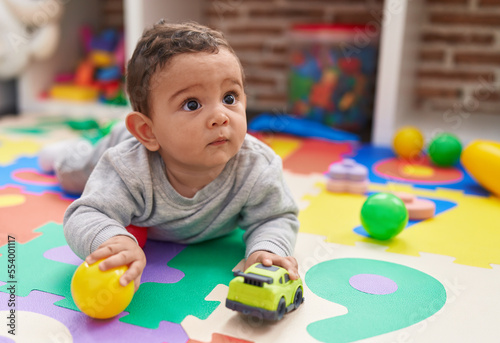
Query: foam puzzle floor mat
(436, 281)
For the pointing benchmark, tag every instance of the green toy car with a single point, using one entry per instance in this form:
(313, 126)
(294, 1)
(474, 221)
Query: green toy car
(266, 292)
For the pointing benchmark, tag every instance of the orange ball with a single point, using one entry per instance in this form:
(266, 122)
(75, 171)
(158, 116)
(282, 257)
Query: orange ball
(98, 293)
(408, 142)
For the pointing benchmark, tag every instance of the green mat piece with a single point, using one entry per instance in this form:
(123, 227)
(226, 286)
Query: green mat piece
(205, 265)
(417, 297)
(35, 272)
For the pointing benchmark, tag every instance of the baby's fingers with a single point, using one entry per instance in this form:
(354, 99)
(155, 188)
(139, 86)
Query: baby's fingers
(123, 258)
(290, 264)
(133, 273)
(99, 254)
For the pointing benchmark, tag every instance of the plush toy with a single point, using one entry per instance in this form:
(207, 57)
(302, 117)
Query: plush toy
(29, 30)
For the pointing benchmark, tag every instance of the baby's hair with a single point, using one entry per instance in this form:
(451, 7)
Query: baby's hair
(156, 48)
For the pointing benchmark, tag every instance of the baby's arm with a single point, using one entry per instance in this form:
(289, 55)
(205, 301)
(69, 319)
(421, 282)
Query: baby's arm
(270, 221)
(94, 225)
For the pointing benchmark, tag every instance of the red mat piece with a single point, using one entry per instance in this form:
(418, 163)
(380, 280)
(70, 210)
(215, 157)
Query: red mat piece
(21, 218)
(317, 153)
(314, 156)
(219, 338)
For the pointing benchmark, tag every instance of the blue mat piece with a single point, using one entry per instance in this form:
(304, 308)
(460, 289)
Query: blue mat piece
(28, 163)
(370, 155)
(284, 123)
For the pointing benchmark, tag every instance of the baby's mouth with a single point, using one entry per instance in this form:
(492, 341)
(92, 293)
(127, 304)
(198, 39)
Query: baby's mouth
(219, 141)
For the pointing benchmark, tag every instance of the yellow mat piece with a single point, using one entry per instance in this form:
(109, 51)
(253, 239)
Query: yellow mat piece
(10, 149)
(469, 232)
(283, 146)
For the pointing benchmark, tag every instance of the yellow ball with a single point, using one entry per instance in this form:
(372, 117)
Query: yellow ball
(481, 159)
(98, 293)
(408, 142)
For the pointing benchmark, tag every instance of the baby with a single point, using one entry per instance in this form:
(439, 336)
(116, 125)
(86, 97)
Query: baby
(184, 166)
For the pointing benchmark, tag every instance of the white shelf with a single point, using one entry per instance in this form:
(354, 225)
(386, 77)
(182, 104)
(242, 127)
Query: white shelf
(138, 15)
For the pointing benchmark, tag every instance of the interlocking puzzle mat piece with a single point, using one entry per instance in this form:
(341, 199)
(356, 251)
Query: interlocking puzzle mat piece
(63, 254)
(218, 338)
(468, 290)
(204, 265)
(470, 232)
(50, 129)
(34, 177)
(292, 328)
(315, 156)
(384, 167)
(37, 315)
(30, 125)
(24, 172)
(373, 291)
(308, 155)
(42, 329)
(11, 149)
(301, 185)
(281, 144)
(34, 272)
(157, 254)
(62, 263)
(21, 212)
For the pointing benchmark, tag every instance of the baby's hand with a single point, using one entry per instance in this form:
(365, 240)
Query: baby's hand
(121, 251)
(268, 259)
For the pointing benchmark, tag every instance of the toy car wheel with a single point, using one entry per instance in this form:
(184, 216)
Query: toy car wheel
(297, 300)
(281, 308)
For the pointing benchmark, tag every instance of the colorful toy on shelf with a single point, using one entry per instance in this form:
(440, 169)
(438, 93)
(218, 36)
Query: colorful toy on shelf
(482, 160)
(99, 76)
(264, 292)
(408, 142)
(74, 92)
(347, 176)
(418, 208)
(384, 215)
(332, 76)
(98, 293)
(445, 150)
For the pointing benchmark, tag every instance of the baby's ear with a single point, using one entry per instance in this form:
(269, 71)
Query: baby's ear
(141, 127)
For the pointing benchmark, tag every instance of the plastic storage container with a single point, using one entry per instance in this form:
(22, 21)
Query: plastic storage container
(332, 74)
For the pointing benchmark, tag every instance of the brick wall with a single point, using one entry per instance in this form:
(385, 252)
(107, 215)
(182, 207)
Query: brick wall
(257, 30)
(459, 66)
(112, 14)
(459, 58)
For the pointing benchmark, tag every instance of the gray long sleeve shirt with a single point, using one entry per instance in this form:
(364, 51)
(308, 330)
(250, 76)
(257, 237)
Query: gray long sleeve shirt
(129, 186)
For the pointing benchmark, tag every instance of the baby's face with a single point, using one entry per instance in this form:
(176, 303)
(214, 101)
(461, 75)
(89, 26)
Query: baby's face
(198, 110)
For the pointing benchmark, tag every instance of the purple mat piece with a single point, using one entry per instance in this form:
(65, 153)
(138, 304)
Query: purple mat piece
(63, 254)
(6, 340)
(373, 284)
(158, 254)
(85, 329)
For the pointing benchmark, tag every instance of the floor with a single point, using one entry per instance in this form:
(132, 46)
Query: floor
(437, 281)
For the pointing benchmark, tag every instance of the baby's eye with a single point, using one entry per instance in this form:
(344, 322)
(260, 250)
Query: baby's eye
(191, 105)
(229, 99)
